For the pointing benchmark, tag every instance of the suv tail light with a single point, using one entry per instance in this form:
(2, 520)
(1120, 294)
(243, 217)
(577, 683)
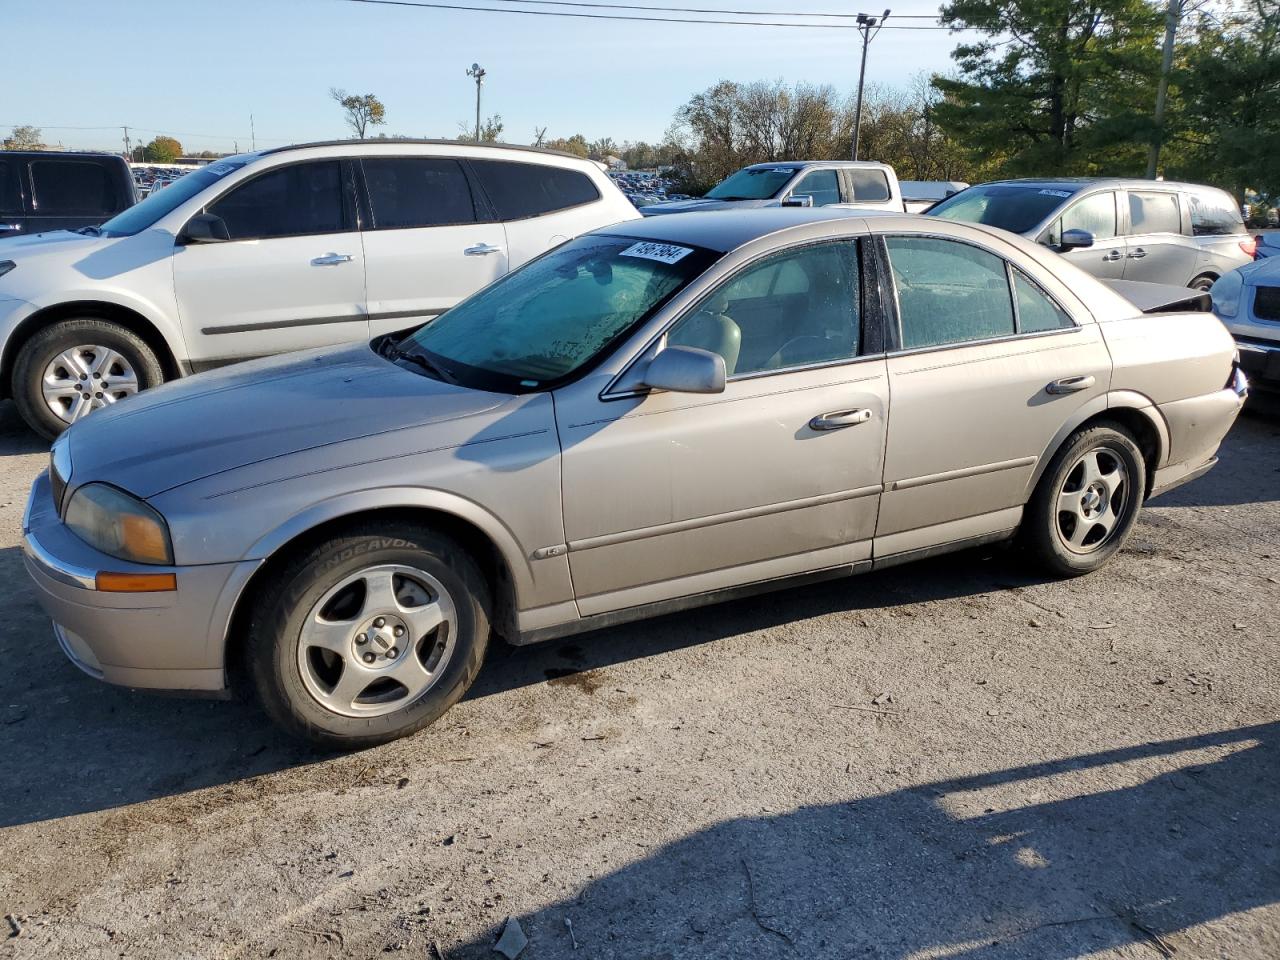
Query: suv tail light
(1250, 246)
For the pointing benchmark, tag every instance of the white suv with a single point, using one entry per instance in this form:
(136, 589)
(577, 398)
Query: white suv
(266, 252)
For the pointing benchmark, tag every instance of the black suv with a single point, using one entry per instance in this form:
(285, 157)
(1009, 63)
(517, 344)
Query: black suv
(41, 190)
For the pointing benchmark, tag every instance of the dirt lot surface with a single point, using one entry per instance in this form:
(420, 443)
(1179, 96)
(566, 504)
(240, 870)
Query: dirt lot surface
(951, 759)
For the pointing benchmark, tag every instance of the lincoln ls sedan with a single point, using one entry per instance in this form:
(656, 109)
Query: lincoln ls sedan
(654, 415)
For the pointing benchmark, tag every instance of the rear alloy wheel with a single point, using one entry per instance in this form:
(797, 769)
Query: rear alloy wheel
(74, 367)
(369, 636)
(1087, 501)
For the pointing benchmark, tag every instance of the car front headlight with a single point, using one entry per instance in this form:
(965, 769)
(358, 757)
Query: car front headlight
(118, 524)
(1226, 291)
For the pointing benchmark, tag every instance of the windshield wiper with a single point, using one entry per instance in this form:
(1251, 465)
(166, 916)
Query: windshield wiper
(420, 360)
(90, 231)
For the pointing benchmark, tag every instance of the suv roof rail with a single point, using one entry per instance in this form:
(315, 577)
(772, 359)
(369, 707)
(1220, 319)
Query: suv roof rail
(388, 141)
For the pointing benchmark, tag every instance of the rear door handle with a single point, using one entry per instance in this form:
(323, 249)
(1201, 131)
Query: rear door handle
(1137, 254)
(1113, 256)
(839, 419)
(481, 250)
(331, 260)
(1071, 384)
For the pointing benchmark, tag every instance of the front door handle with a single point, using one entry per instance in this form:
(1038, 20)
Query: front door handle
(1137, 254)
(331, 260)
(1071, 384)
(839, 419)
(481, 250)
(1113, 256)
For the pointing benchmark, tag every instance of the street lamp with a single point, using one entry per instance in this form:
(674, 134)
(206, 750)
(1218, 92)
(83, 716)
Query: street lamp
(477, 71)
(865, 25)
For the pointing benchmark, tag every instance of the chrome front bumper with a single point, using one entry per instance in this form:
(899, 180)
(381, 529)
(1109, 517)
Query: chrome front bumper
(170, 640)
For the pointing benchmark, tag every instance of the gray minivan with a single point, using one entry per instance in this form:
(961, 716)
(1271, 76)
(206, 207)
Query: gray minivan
(1150, 230)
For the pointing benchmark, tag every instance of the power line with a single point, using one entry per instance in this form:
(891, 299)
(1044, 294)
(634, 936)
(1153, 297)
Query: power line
(634, 19)
(735, 13)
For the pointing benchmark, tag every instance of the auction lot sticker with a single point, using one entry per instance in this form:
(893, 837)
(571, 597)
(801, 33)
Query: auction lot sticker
(662, 252)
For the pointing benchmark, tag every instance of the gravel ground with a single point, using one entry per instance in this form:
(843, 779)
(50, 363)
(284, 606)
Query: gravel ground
(950, 759)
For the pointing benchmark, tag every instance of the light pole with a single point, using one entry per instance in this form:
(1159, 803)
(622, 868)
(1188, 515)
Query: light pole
(865, 26)
(477, 71)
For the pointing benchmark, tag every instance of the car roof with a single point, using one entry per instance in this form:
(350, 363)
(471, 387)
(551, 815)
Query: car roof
(725, 230)
(1081, 182)
(405, 142)
(799, 164)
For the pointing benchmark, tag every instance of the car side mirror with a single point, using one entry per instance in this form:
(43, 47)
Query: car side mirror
(1074, 240)
(798, 200)
(205, 228)
(686, 370)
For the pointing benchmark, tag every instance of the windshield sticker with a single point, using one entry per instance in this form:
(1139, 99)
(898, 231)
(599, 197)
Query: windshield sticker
(220, 169)
(1056, 193)
(662, 252)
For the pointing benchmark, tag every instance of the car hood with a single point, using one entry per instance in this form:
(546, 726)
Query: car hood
(701, 204)
(54, 243)
(219, 421)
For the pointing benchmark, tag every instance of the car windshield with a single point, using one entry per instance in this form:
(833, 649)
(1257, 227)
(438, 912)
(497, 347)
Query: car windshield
(1013, 207)
(556, 315)
(161, 202)
(753, 183)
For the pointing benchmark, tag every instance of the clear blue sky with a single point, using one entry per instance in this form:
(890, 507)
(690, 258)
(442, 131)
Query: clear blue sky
(199, 69)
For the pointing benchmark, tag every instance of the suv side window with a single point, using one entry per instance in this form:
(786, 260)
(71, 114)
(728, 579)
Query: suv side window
(794, 308)
(72, 188)
(418, 192)
(10, 194)
(1097, 214)
(294, 201)
(521, 190)
(949, 292)
(1153, 213)
(822, 185)
(1214, 214)
(867, 185)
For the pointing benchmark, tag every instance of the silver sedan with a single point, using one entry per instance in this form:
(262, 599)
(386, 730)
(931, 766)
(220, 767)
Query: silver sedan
(658, 414)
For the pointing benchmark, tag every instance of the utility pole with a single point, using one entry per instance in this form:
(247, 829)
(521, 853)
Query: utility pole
(477, 71)
(1162, 90)
(128, 147)
(865, 25)
(253, 139)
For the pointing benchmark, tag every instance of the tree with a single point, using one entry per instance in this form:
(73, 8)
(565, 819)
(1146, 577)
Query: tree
(362, 111)
(604, 147)
(162, 150)
(577, 145)
(1052, 86)
(24, 138)
(490, 130)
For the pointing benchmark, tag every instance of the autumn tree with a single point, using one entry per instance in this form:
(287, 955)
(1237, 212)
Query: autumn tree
(361, 111)
(162, 150)
(24, 138)
(577, 145)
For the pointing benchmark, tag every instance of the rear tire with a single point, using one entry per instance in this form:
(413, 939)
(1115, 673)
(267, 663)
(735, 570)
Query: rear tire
(1086, 503)
(369, 636)
(65, 372)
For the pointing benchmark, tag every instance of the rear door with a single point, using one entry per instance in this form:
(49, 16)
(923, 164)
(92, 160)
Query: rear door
(1158, 251)
(430, 241)
(66, 194)
(12, 214)
(290, 277)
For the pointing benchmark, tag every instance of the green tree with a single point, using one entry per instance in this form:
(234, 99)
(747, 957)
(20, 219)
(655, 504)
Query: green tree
(24, 138)
(1052, 86)
(490, 130)
(162, 150)
(577, 145)
(362, 111)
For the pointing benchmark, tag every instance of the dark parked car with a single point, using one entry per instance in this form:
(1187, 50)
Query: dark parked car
(41, 190)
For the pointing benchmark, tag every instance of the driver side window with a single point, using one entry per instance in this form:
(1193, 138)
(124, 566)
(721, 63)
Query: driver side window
(792, 309)
(822, 185)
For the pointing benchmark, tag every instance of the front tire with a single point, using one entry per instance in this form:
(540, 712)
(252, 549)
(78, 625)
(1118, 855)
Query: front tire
(1203, 282)
(369, 636)
(73, 367)
(1087, 502)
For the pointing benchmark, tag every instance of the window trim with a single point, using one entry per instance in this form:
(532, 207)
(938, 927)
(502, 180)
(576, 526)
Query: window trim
(894, 324)
(350, 215)
(658, 340)
(479, 192)
(479, 204)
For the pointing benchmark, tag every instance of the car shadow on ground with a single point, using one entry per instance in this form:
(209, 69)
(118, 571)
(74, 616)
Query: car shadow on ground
(1048, 861)
(16, 438)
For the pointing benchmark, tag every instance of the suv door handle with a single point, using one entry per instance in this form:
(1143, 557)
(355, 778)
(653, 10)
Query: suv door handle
(839, 419)
(1113, 256)
(481, 250)
(331, 260)
(1137, 254)
(1071, 384)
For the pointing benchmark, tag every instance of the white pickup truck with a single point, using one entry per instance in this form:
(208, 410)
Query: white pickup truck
(863, 184)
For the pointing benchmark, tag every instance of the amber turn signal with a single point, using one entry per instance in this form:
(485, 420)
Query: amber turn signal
(136, 582)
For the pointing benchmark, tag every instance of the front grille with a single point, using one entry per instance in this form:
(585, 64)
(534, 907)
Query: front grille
(1266, 303)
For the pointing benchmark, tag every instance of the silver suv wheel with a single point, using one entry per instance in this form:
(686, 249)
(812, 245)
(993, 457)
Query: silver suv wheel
(84, 378)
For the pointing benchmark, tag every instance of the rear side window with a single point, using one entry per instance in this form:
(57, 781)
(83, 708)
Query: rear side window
(293, 201)
(1036, 312)
(10, 194)
(1153, 213)
(418, 192)
(949, 292)
(521, 190)
(1214, 214)
(822, 185)
(869, 186)
(72, 188)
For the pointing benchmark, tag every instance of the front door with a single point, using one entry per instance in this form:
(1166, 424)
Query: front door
(669, 494)
(429, 244)
(973, 409)
(290, 277)
(1157, 250)
(1098, 214)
